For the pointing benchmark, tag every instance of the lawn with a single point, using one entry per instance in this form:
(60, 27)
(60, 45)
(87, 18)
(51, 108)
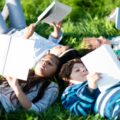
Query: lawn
(87, 19)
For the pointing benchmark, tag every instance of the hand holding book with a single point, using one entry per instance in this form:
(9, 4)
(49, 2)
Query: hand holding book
(103, 60)
(29, 31)
(57, 29)
(55, 12)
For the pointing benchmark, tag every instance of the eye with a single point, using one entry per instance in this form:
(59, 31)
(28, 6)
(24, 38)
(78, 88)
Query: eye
(49, 63)
(77, 70)
(42, 60)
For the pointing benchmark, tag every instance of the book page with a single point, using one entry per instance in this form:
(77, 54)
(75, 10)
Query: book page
(4, 44)
(103, 60)
(59, 11)
(19, 58)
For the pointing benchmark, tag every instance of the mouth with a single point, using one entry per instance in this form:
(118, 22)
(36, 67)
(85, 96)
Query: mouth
(41, 69)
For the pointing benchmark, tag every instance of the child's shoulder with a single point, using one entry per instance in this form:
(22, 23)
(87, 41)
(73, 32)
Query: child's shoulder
(75, 87)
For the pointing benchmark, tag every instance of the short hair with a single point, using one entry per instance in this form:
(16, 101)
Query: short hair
(66, 69)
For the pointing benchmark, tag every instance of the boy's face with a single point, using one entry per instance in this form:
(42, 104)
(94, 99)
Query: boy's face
(78, 72)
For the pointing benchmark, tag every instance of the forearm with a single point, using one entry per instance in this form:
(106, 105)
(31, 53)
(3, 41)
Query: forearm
(24, 101)
(29, 31)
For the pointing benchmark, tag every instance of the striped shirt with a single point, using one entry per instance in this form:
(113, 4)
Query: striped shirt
(78, 99)
(108, 102)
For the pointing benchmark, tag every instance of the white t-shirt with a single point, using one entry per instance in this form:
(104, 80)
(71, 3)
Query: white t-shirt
(42, 45)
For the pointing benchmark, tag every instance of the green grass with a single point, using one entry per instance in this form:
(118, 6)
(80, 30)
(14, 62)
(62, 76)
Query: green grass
(56, 112)
(87, 19)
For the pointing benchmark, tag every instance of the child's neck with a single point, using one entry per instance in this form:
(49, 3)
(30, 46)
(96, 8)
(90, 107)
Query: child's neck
(75, 82)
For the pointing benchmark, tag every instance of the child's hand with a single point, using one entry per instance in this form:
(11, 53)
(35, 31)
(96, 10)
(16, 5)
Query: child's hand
(13, 82)
(57, 29)
(29, 31)
(93, 79)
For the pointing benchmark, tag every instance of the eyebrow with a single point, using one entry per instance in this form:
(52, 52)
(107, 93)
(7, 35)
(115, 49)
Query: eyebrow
(53, 61)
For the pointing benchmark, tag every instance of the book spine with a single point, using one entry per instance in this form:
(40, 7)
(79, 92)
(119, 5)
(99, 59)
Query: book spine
(6, 56)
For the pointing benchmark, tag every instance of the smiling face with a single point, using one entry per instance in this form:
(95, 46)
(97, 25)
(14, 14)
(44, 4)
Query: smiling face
(78, 73)
(47, 66)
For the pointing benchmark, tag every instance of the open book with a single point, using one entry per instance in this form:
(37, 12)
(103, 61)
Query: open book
(103, 60)
(55, 12)
(15, 56)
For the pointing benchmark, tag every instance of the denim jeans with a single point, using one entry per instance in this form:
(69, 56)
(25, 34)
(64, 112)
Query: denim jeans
(16, 16)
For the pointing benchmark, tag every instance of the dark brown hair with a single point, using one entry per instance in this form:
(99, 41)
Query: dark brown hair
(67, 69)
(33, 80)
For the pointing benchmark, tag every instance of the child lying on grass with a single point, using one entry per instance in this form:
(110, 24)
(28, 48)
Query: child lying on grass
(92, 43)
(83, 97)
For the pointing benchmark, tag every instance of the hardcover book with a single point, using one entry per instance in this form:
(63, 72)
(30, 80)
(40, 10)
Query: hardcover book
(103, 60)
(55, 12)
(15, 56)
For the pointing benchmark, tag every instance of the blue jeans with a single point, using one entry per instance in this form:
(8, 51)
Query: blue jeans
(16, 16)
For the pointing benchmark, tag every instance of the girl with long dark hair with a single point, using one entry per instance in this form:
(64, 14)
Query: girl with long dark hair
(37, 93)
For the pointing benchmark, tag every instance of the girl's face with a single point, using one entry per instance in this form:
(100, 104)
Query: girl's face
(47, 66)
(78, 72)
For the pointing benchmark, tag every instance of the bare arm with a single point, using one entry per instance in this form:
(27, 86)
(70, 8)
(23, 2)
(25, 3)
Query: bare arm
(29, 31)
(55, 34)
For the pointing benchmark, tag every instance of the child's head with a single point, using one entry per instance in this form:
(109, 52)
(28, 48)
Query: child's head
(93, 43)
(59, 49)
(73, 70)
(47, 66)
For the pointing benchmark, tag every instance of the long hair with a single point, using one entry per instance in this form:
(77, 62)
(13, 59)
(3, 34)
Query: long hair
(33, 80)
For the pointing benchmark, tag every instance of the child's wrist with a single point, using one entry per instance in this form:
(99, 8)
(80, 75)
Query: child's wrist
(92, 85)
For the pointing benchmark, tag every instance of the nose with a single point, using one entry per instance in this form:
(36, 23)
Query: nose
(44, 63)
(84, 70)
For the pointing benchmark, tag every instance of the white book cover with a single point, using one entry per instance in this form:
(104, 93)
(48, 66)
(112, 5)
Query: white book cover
(103, 60)
(17, 57)
(55, 12)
